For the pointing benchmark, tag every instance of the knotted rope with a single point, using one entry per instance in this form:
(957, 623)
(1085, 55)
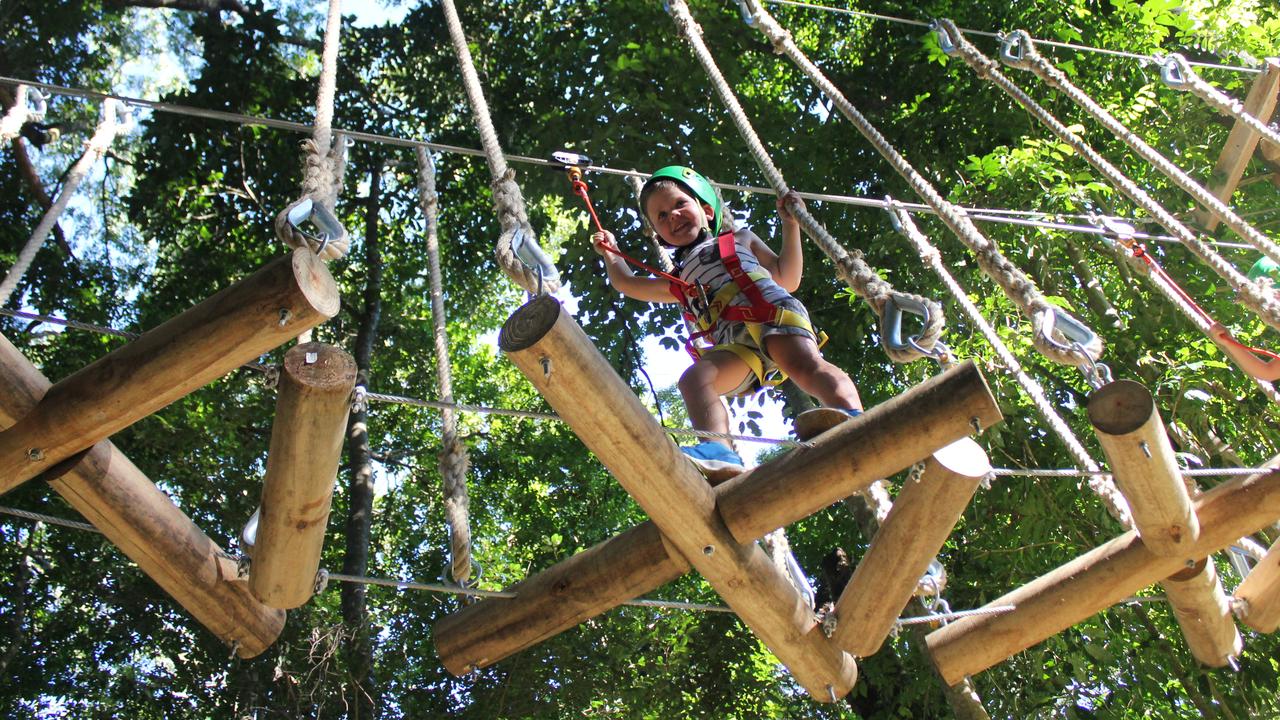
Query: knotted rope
(117, 118)
(324, 161)
(1261, 302)
(507, 199)
(1101, 485)
(24, 110)
(1178, 74)
(1016, 285)
(855, 272)
(454, 461)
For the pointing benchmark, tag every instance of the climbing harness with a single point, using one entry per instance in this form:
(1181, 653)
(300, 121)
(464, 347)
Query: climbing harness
(864, 281)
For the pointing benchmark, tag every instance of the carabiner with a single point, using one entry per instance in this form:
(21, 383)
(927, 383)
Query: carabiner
(37, 104)
(321, 217)
(748, 15)
(1080, 341)
(891, 323)
(526, 248)
(945, 41)
(1013, 49)
(1176, 72)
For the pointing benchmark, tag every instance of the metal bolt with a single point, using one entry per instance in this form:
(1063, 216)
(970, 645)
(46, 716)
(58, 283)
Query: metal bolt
(977, 425)
(1146, 449)
(35, 454)
(546, 367)
(311, 358)
(285, 315)
(1191, 563)
(709, 550)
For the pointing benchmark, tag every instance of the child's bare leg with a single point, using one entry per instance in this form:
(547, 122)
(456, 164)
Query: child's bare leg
(702, 385)
(798, 357)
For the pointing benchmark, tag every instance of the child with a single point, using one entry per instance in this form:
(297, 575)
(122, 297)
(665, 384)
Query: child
(1268, 370)
(687, 214)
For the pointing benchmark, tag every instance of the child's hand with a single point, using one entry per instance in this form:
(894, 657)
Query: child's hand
(1219, 333)
(602, 241)
(784, 212)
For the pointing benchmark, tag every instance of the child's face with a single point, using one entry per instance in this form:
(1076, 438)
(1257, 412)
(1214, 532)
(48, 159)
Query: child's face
(676, 216)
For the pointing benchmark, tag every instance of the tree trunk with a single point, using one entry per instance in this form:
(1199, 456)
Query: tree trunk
(359, 651)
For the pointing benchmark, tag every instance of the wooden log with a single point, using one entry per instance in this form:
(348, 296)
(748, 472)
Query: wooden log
(114, 495)
(232, 327)
(1128, 426)
(302, 466)
(1241, 142)
(922, 517)
(490, 630)
(889, 437)
(1203, 611)
(1260, 593)
(558, 358)
(1099, 579)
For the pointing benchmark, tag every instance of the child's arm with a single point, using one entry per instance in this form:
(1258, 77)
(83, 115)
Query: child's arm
(625, 281)
(1255, 366)
(787, 266)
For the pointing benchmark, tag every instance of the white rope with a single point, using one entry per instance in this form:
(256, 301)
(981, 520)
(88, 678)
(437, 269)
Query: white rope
(324, 158)
(453, 460)
(508, 202)
(1026, 57)
(1179, 75)
(1016, 285)
(1076, 472)
(117, 118)
(20, 113)
(1100, 482)
(855, 272)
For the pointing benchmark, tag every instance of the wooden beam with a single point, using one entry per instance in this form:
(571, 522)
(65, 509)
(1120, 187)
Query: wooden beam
(232, 327)
(922, 517)
(490, 630)
(302, 465)
(552, 351)
(893, 435)
(114, 495)
(1203, 611)
(1241, 142)
(1260, 593)
(1128, 426)
(1099, 579)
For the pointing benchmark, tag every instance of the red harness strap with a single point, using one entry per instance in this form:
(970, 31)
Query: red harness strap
(759, 311)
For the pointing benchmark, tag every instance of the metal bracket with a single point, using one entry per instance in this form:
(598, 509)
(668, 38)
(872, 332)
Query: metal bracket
(320, 217)
(250, 532)
(1176, 72)
(1013, 49)
(526, 248)
(945, 41)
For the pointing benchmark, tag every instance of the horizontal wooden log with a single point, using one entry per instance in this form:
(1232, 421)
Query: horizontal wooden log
(314, 397)
(1260, 593)
(490, 630)
(561, 362)
(1128, 426)
(1099, 579)
(922, 517)
(232, 327)
(1203, 611)
(113, 494)
(1242, 140)
(882, 441)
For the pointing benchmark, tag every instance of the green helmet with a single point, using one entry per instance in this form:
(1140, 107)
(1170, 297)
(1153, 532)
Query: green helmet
(1265, 268)
(697, 185)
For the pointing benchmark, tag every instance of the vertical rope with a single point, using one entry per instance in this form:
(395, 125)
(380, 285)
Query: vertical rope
(1016, 285)
(1103, 486)
(1252, 296)
(324, 156)
(508, 202)
(454, 461)
(116, 118)
(1026, 57)
(19, 114)
(859, 276)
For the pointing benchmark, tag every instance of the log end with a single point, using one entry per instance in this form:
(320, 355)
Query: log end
(1120, 407)
(529, 323)
(316, 282)
(321, 368)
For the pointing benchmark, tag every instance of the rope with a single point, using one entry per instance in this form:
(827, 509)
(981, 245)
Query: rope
(324, 159)
(453, 459)
(1178, 74)
(1026, 57)
(852, 269)
(1065, 45)
(507, 200)
(1029, 218)
(1251, 295)
(23, 110)
(1016, 285)
(1099, 482)
(116, 118)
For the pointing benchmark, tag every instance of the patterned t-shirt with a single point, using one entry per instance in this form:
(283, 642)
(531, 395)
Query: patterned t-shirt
(701, 264)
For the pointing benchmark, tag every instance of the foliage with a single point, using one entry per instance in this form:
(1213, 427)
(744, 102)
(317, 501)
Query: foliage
(186, 206)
